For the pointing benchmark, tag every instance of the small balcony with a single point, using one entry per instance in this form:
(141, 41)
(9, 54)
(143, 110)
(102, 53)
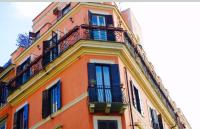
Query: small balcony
(106, 100)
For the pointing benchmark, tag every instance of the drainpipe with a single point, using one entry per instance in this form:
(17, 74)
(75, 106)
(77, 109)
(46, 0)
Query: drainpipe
(130, 107)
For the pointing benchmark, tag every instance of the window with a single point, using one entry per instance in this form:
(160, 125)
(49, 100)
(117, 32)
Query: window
(51, 100)
(101, 20)
(3, 124)
(3, 93)
(107, 122)
(136, 100)
(26, 74)
(156, 120)
(37, 35)
(21, 118)
(50, 49)
(66, 9)
(104, 82)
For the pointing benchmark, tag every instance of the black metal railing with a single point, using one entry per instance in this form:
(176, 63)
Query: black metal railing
(84, 32)
(100, 94)
(34, 68)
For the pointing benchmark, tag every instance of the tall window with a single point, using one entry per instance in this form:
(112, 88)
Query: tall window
(103, 20)
(103, 83)
(136, 100)
(99, 20)
(21, 118)
(3, 93)
(55, 97)
(26, 75)
(50, 49)
(51, 100)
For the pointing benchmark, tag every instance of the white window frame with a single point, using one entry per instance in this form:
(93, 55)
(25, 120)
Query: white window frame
(117, 118)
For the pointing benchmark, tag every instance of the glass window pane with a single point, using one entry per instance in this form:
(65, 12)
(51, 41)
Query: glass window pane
(94, 20)
(101, 21)
(99, 76)
(99, 79)
(103, 35)
(106, 74)
(96, 34)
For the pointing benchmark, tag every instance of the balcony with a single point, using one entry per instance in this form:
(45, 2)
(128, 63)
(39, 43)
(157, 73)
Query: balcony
(86, 32)
(106, 99)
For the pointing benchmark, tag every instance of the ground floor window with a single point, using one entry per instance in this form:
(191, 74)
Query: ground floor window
(107, 122)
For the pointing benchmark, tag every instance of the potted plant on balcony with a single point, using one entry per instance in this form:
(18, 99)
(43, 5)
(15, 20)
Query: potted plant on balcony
(92, 82)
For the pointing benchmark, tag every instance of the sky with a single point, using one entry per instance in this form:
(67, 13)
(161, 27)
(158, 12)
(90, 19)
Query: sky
(171, 40)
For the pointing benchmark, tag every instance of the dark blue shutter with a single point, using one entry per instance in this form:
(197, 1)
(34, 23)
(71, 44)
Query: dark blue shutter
(109, 20)
(59, 94)
(19, 78)
(46, 104)
(15, 120)
(46, 52)
(115, 83)
(160, 121)
(90, 23)
(3, 92)
(25, 115)
(27, 74)
(154, 118)
(109, 23)
(137, 97)
(132, 94)
(92, 78)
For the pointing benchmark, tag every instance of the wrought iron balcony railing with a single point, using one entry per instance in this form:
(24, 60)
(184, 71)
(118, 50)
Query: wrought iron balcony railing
(86, 32)
(101, 97)
(82, 32)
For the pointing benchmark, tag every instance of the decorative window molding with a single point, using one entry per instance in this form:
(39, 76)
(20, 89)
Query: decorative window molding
(102, 61)
(99, 12)
(52, 84)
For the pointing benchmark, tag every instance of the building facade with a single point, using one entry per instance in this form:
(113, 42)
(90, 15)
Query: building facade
(84, 69)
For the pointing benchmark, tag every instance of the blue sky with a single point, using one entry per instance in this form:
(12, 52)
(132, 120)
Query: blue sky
(170, 38)
(15, 18)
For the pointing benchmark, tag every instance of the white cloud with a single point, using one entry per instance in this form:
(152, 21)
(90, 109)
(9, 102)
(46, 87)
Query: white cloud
(29, 9)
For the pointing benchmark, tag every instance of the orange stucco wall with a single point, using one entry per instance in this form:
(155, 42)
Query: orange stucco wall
(74, 83)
